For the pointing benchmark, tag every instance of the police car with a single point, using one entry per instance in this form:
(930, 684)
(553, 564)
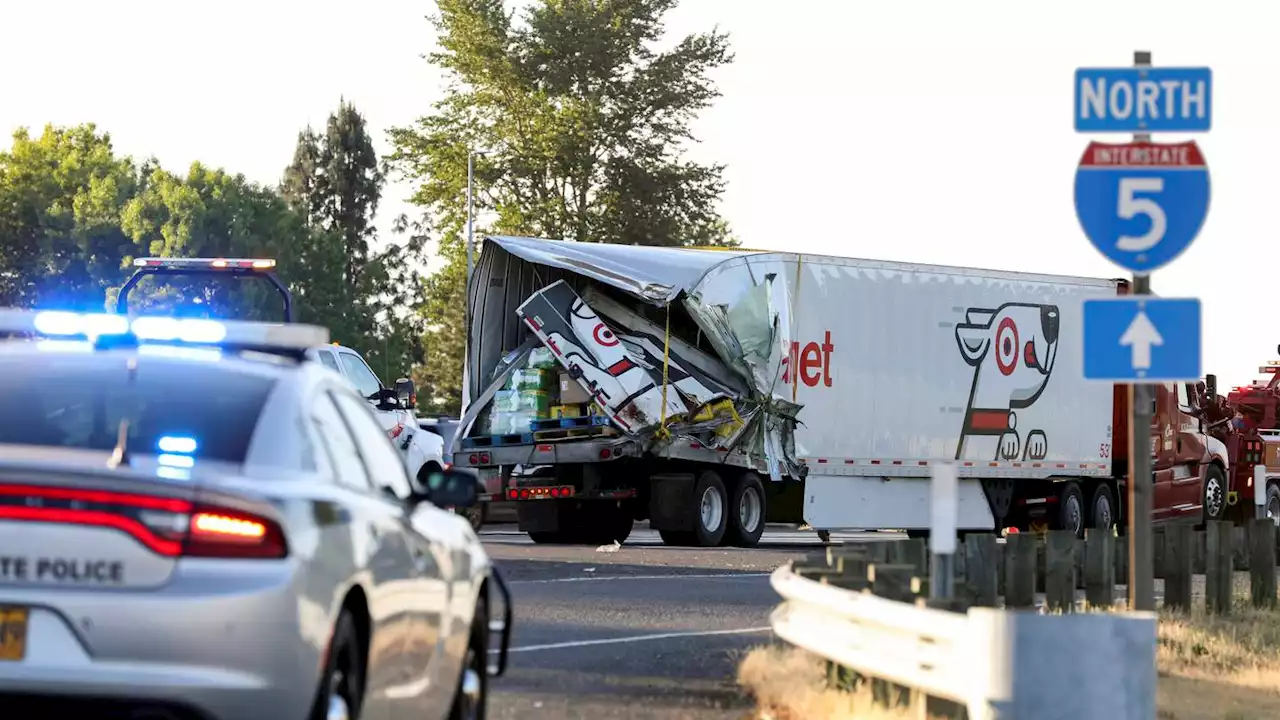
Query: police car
(197, 523)
(422, 452)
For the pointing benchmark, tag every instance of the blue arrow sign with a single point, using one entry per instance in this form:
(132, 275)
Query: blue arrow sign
(1142, 204)
(1133, 339)
(1143, 100)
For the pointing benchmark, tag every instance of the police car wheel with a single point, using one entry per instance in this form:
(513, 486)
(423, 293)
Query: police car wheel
(472, 693)
(342, 684)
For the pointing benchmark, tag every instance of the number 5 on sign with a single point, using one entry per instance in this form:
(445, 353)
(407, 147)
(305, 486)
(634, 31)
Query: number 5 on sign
(1142, 204)
(1131, 206)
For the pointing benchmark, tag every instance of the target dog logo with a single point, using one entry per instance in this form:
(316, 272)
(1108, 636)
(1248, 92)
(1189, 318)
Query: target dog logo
(1012, 351)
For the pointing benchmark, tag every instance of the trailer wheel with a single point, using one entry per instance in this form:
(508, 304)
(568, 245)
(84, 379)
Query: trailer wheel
(746, 512)
(677, 538)
(710, 510)
(609, 523)
(1071, 509)
(1102, 509)
(555, 537)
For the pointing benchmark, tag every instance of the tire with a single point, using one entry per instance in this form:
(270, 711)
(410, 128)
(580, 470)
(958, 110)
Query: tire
(553, 537)
(1214, 494)
(677, 538)
(1102, 508)
(710, 510)
(746, 512)
(475, 516)
(617, 524)
(343, 678)
(471, 698)
(1273, 502)
(1071, 512)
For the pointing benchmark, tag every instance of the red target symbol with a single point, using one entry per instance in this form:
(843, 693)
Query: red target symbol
(1007, 346)
(605, 337)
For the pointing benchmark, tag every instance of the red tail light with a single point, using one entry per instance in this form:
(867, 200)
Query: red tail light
(171, 527)
(395, 431)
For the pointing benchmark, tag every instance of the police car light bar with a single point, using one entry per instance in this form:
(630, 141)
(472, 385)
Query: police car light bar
(206, 263)
(194, 331)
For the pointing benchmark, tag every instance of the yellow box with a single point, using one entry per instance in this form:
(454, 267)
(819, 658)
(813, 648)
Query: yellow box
(566, 411)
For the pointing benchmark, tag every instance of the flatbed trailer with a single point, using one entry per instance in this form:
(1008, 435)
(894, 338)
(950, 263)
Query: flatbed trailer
(840, 384)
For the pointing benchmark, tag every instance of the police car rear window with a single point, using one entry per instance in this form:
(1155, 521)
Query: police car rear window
(79, 403)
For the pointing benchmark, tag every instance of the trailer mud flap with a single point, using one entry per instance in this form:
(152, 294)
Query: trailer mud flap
(621, 373)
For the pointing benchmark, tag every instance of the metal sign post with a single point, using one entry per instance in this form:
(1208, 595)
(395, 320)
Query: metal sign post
(944, 509)
(1142, 204)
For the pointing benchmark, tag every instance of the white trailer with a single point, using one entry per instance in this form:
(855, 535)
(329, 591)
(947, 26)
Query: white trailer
(849, 380)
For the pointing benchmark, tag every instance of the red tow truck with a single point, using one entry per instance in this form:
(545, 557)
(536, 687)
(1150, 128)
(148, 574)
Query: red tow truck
(1255, 408)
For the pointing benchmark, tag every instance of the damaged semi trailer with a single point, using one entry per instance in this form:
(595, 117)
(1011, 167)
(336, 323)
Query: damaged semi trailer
(712, 391)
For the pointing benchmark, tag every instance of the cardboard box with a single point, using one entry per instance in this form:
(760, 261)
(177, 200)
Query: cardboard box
(571, 393)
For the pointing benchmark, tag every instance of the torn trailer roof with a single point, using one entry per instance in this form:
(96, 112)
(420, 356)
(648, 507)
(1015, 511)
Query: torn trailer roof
(666, 342)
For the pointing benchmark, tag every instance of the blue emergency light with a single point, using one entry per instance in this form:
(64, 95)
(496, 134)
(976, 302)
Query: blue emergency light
(108, 329)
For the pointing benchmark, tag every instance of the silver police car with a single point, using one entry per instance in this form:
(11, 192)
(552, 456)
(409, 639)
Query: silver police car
(195, 523)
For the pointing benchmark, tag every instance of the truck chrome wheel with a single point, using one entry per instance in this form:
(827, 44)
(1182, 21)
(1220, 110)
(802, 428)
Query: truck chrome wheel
(1213, 496)
(1273, 509)
(749, 510)
(712, 510)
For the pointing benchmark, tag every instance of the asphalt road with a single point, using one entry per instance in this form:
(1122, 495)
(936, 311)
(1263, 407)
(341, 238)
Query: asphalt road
(648, 632)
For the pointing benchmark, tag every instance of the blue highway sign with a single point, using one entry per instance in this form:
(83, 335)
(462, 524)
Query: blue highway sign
(1143, 100)
(1142, 204)
(1132, 339)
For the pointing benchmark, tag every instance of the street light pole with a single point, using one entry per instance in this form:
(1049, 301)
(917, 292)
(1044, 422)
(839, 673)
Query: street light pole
(471, 209)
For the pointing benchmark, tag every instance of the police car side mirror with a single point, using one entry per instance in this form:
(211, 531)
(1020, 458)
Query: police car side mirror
(451, 489)
(406, 393)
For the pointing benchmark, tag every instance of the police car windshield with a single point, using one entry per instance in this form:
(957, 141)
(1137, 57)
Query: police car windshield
(76, 401)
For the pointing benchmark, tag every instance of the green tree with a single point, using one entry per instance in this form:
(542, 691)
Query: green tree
(335, 181)
(586, 126)
(212, 213)
(61, 195)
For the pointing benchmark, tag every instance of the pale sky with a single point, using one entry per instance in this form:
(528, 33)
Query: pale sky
(929, 131)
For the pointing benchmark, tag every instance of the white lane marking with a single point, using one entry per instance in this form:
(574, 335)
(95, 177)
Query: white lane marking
(639, 577)
(634, 639)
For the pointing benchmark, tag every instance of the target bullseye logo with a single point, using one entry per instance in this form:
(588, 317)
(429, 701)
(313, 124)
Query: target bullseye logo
(1007, 346)
(604, 336)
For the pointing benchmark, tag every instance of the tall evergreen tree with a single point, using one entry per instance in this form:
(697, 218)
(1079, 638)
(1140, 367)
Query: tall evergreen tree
(361, 292)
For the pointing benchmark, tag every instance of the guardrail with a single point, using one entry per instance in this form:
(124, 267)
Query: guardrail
(997, 664)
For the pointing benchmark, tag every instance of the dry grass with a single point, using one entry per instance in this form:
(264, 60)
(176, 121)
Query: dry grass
(1215, 668)
(1211, 668)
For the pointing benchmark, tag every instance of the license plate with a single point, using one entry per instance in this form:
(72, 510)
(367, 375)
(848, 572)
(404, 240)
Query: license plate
(13, 633)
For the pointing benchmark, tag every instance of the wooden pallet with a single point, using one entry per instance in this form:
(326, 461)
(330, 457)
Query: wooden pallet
(568, 422)
(576, 433)
(484, 441)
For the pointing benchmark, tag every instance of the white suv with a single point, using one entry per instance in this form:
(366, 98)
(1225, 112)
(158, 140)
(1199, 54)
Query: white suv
(423, 452)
